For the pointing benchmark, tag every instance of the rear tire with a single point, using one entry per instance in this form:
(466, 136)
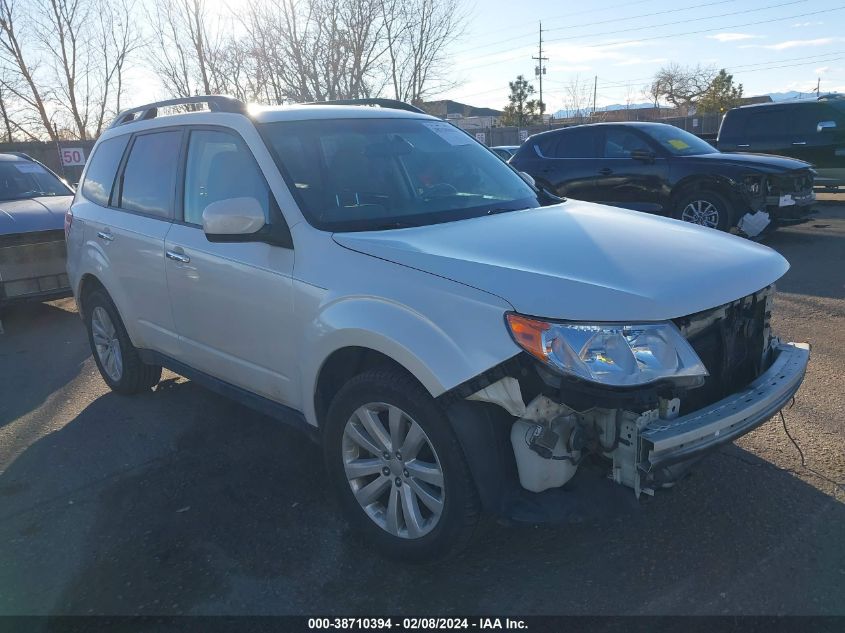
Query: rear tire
(419, 506)
(117, 359)
(705, 208)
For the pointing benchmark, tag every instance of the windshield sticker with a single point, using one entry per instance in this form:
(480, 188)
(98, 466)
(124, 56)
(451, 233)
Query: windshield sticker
(29, 168)
(449, 133)
(677, 143)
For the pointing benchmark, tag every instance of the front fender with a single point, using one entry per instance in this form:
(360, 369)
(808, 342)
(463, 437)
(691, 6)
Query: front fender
(442, 348)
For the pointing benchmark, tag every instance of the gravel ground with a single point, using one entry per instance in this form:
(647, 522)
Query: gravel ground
(179, 501)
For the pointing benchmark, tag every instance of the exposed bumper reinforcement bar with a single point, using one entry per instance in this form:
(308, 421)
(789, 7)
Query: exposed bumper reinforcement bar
(666, 442)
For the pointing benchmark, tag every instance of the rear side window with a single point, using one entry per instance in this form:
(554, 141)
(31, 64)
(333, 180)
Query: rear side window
(220, 166)
(733, 125)
(149, 178)
(574, 143)
(102, 169)
(765, 123)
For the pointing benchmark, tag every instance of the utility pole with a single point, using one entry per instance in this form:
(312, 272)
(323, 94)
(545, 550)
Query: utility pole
(595, 90)
(818, 87)
(540, 70)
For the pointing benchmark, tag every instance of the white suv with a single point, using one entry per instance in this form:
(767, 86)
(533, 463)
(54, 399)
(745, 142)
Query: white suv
(459, 341)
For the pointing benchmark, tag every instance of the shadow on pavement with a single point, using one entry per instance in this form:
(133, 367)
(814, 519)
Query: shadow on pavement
(55, 333)
(199, 505)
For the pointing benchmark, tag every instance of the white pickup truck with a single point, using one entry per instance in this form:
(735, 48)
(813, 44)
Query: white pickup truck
(458, 340)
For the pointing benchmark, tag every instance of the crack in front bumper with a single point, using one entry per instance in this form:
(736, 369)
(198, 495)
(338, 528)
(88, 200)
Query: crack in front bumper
(667, 442)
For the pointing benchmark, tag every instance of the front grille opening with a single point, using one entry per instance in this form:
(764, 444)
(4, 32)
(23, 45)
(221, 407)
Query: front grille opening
(731, 348)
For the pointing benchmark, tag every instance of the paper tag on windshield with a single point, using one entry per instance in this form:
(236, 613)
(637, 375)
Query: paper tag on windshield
(678, 143)
(449, 133)
(29, 168)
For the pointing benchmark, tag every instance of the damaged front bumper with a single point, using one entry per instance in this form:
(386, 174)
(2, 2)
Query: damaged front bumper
(663, 443)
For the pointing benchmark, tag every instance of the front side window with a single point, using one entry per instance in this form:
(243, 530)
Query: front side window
(220, 166)
(21, 179)
(102, 168)
(620, 143)
(362, 174)
(149, 177)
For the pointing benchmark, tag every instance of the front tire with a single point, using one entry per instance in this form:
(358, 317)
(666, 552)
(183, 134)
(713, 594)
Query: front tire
(398, 469)
(117, 359)
(705, 208)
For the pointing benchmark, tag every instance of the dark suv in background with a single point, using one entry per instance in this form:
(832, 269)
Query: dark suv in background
(812, 131)
(662, 169)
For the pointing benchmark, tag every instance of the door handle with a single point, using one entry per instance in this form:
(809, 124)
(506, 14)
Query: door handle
(605, 171)
(105, 235)
(800, 143)
(179, 257)
(743, 145)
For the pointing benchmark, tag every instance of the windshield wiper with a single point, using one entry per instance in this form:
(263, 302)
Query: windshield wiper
(504, 210)
(391, 225)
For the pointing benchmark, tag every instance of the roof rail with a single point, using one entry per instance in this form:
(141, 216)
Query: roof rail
(21, 155)
(393, 104)
(216, 103)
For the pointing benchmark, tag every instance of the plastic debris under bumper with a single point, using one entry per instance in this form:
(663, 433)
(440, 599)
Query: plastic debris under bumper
(666, 442)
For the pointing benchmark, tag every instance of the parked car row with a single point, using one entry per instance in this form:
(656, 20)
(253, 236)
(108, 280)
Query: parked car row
(459, 341)
(809, 130)
(33, 202)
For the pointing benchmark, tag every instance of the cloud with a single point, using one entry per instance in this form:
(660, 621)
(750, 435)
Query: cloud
(799, 25)
(782, 46)
(733, 37)
(821, 70)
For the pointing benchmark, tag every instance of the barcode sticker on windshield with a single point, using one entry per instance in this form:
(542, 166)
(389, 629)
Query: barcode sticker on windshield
(29, 168)
(449, 133)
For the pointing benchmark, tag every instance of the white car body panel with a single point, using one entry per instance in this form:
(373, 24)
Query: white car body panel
(233, 311)
(406, 314)
(583, 261)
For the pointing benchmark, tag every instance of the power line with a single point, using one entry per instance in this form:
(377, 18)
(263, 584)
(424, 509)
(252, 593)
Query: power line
(648, 15)
(671, 35)
(686, 21)
(568, 16)
(619, 19)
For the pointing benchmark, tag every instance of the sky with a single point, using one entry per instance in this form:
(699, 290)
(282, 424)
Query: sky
(769, 46)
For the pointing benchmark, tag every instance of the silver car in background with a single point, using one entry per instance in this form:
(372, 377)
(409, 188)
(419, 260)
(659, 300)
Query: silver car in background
(33, 203)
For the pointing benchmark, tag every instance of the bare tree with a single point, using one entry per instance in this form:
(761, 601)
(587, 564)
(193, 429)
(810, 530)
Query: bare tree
(12, 48)
(682, 86)
(188, 47)
(577, 99)
(418, 34)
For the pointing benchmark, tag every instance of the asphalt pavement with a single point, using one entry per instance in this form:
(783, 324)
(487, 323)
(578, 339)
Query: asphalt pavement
(179, 501)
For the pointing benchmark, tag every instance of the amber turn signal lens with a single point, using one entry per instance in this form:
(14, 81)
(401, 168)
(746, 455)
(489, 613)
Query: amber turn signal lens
(528, 334)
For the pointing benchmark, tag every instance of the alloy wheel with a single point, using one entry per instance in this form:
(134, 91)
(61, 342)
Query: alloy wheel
(393, 470)
(106, 343)
(701, 212)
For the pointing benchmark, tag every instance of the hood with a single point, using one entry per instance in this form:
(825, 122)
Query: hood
(33, 214)
(583, 261)
(766, 163)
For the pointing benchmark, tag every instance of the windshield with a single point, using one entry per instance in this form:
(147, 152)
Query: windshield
(678, 141)
(23, 179)
(368, 174)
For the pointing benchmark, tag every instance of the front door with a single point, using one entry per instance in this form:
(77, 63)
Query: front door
(232, 302)
(628, 182)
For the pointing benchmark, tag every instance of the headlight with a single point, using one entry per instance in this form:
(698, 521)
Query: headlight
(615, 354)
(753, 185)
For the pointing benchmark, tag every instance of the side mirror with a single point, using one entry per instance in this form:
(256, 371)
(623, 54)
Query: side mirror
(645, 155)
(527, 178)
(233, 219)
(825, 125)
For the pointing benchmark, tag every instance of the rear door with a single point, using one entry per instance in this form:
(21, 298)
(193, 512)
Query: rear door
(125, 229)
(569, 161)
(624, 181)
(232, 302)
(768, 130)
